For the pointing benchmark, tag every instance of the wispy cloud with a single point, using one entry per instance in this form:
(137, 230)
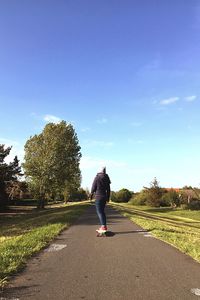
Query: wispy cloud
(95, 143)
(135, 142)
(190, 98)
(90, 166)
(8, 142)
(88, 162)
(51, 118)
(153, 65)
(169, 101)
(136, 124)
(85, 129)
(172, 100)
(102, 121)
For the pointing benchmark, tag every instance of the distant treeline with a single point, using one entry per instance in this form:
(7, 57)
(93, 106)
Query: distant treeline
(156, 196)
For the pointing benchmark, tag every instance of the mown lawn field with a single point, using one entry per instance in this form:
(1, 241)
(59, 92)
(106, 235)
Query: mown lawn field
(25, 231)
(178, 227)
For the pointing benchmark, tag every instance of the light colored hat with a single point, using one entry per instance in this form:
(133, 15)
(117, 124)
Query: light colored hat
(102, 169)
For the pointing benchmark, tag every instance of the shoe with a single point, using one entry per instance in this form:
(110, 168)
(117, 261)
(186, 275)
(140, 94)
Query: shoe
(102, 229)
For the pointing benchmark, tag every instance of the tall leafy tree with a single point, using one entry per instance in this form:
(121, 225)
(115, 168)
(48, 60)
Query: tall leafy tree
(8, 173)
(52, 161)
(154, 193)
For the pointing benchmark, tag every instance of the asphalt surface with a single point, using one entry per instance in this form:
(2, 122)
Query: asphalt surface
(128, 264)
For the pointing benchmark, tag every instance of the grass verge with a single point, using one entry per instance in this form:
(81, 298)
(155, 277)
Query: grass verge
(22, 235)
(180, 228)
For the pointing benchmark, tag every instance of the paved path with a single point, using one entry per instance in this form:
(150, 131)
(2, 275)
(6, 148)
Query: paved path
(126, 265)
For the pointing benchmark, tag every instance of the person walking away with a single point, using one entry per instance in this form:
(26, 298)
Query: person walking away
(101, 190)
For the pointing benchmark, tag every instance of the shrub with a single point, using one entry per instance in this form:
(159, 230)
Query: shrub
(184, 206)
(165, 200)
(194, 204)
(113, 196)
(170, 198)
(123, 195)
(139, 199)
(78, 195)
(154, 194)
(183, 198)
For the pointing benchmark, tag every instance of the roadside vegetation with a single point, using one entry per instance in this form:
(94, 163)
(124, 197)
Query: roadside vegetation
(26, 231)
(180, 228)
(49, 177)
(171, 215)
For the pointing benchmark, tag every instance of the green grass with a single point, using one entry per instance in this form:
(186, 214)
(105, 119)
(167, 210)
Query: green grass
(178, 212)
(180, 228)
(26, 232)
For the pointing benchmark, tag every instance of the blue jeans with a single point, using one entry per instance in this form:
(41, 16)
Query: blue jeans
(100, 206)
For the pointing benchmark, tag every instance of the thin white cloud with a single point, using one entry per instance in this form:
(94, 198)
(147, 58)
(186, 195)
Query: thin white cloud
(102, 121)
(190, 98)
(51, 118)
(8, 142)
(136, 124)
(153, 65)
(95, 143)
(88, 162)
(85, 129)
(154, 102)
(169, 100)
(129, 173)
(135, 142)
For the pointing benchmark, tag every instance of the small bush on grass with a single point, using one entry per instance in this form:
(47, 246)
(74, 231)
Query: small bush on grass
(194, 205)
(170, 198)
(139, 199)
(123, 195)
(113, 196)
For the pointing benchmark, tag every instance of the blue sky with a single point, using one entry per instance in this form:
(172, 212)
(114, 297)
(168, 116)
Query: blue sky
(125, 73)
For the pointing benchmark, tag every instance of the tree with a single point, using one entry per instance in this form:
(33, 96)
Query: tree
(113, 196)
(139, 198)
(78, 195)
(154, 193)
(170, 198)
(8, 173)
(122, 195)
(17, 190)
(52, 162)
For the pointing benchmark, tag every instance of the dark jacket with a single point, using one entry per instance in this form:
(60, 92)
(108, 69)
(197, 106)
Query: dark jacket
(101, 187)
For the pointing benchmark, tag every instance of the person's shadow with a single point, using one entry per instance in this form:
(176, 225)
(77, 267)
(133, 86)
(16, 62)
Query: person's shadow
(111, 233)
